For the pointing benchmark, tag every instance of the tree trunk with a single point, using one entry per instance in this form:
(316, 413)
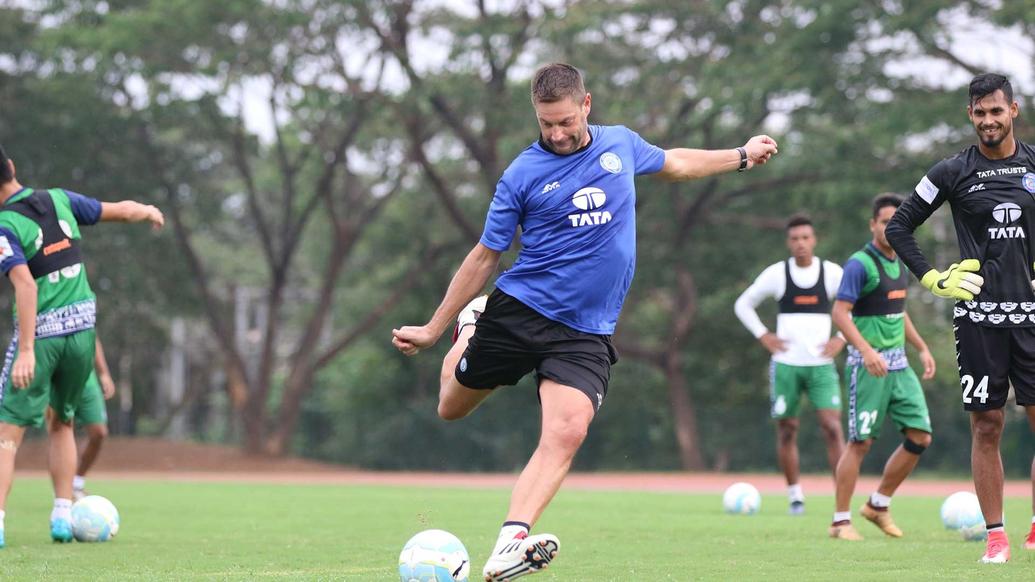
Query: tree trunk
(684, 416)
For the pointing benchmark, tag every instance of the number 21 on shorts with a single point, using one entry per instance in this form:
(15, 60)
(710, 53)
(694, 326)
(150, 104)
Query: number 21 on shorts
(980, 391)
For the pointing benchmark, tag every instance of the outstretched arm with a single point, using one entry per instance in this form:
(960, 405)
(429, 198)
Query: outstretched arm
(687, 164)
(130, 211)
(468, 281)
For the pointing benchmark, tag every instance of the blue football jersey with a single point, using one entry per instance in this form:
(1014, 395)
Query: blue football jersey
(577, 214)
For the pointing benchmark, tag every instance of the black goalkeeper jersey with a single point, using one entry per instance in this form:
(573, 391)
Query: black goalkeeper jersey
(993, 209)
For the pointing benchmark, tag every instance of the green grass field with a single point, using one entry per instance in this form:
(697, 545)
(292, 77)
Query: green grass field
(219, 531)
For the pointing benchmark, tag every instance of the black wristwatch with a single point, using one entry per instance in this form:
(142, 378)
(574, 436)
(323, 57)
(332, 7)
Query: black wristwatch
(743, 159)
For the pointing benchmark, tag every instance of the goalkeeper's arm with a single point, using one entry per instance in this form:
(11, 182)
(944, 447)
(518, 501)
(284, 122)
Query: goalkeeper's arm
(959, 281)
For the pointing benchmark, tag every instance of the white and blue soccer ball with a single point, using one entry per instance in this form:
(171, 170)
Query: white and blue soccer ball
(961, 512)
(741, 498)
(434, 556)
(94, 519)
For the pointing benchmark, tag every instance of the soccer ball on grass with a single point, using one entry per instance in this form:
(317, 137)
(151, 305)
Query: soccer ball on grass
(434, 556)
(962, 512)
(741, 498)
(94, 519)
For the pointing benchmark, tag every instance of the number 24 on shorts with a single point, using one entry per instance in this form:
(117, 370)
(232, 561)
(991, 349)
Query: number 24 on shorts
(980, 391)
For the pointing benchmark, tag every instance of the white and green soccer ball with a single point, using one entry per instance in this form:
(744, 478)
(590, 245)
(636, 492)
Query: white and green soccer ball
(94, 519)
(434, 556)
(961, 512)
(741, 498)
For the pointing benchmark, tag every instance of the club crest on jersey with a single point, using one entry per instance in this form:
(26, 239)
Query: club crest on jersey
(5, 248)
(1005, 214)
(590, 199)
(1008, 306)
(611, 162)
(1017, 317)
(1028, 181)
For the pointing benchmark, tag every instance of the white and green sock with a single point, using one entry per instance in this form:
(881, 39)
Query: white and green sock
(842, 516)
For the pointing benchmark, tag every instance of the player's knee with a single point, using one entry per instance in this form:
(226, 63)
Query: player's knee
(566, 434)
(987, 430)
(97, 432)
(448, 411)
(787, 431)
(917, 443)
(861, 447)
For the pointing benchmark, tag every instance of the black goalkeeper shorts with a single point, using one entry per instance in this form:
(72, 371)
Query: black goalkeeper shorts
(511, 339)
(990, 360)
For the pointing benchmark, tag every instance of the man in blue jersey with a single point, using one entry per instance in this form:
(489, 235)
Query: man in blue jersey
(573, 195)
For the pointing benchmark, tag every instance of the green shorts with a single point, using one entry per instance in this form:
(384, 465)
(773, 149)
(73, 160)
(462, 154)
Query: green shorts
(63, 365)
(870, 399)
(92, 409)
(786, 384)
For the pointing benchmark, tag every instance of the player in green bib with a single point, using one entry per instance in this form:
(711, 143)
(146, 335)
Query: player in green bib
(52, 352)
(870, 310)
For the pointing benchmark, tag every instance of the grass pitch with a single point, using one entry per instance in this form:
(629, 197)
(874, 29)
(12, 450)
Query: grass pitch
(220, 531)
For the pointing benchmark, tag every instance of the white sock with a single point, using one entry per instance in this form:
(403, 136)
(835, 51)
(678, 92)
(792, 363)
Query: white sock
(2, 515)
(878, 500)
(507, 534)
(62, 509)
(842, 516)
(79, 482)
(794, 493)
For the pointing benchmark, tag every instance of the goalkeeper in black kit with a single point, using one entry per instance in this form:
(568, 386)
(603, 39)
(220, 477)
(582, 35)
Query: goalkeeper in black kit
(990, 189)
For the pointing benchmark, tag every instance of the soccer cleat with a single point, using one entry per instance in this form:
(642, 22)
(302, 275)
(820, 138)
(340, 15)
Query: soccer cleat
(60, 530)
(1029, 542)
(881, 517)
(469, 314)
(797, 508)
(998, 549)
(843, 530)
(524, 555)
(2, 544)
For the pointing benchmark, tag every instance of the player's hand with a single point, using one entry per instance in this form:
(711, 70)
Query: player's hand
(772, 343)
(928, 361)
(959, 281)
(833, 347)
(412, 339)
(875, 363)
(107, 386)
(759, 149)
(155, 217)
(24, 369)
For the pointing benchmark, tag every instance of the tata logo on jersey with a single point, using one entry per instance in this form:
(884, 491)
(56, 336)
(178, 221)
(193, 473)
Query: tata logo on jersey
(590, 199)
(1005, 214)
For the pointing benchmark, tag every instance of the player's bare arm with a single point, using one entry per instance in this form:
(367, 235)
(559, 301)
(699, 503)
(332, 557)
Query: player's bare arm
(468, 281)
(25, 299)
(130, 211)
(917, 341)
(688, 164)
(842, 317)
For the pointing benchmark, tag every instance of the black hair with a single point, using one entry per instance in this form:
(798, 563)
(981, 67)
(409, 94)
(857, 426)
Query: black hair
(885, 200)
(799, 219)
(5, 168)
(987, 83)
